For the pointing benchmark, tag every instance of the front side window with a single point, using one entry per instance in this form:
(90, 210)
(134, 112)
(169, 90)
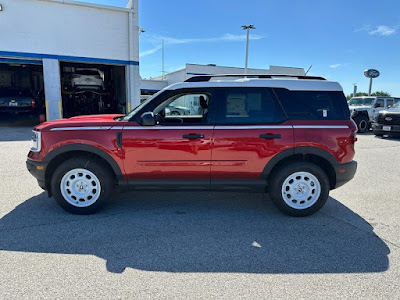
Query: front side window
(247, 106)
(313, 105)
(380, 103)
(190, 108)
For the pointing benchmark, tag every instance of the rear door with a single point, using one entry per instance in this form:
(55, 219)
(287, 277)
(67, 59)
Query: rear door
(250, 130)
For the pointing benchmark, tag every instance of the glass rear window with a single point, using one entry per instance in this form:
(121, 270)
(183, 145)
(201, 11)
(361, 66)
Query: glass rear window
(314, 105)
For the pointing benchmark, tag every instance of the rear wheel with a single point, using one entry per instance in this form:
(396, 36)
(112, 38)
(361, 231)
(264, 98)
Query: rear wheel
(299, 189)
(82, 185)
(362, 123)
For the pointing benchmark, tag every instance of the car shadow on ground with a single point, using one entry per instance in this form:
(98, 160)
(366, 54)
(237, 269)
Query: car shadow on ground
(199, 232)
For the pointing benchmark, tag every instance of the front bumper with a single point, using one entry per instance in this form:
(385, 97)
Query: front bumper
(38, 170)
(345, 172)
(378, 129)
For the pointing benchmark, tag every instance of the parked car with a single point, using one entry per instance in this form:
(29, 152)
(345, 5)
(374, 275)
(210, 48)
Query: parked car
(292, 138)
(365, 109)
(388, 122)
(175, 110)
(17, 101)
(87, 79)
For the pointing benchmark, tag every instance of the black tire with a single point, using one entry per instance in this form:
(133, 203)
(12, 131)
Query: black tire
(362, 123)
(378, 134)
(278, 178)
(102, 174)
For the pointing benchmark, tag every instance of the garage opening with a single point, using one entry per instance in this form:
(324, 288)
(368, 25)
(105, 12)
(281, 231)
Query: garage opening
(89, 89)
(21, 93)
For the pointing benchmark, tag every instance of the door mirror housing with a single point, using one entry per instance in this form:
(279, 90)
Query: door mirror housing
(148, 119)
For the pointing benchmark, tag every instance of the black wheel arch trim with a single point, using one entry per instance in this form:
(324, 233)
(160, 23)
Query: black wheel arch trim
(90, 149)
(297, 150)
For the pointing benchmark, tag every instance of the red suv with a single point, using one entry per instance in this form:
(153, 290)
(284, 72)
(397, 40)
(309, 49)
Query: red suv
(290, 136)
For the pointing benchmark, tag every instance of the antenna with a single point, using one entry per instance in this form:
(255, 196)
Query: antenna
(308, 70)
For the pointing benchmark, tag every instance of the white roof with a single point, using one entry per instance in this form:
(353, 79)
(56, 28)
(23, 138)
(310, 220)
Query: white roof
(293, 84)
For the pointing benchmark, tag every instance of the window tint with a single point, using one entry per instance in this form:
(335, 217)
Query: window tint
(314, 105)
(247, 106)
(390, 103)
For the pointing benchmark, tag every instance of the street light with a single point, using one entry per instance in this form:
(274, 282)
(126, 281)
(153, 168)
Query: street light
(141, 30)
(247, 27)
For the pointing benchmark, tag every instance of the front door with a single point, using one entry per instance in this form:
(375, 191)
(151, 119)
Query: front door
(176, 151)
(250, 129)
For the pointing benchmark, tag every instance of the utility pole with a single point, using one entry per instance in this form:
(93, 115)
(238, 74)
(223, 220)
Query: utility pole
(247, 28)
(163, 71)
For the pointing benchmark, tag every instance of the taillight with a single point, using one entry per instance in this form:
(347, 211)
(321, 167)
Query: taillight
(33, 102)
(354, 137)
(73, 83)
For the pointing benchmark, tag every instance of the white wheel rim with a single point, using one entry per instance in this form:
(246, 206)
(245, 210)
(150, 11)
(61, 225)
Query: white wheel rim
(80, 187)
(301, 190)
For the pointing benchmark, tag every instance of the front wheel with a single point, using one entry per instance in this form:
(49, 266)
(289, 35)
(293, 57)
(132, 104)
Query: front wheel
(362, 123)
(81, 185)
(299, 189)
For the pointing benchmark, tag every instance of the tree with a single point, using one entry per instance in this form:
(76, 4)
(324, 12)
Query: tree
(381, 93)
(361, 94)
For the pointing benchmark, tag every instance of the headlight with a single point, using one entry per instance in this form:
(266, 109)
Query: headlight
(36, 141)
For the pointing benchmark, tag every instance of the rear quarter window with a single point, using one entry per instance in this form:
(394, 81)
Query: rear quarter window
(314, 105)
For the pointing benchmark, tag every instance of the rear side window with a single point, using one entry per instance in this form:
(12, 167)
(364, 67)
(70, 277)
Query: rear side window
(314, 105)
(248, 106)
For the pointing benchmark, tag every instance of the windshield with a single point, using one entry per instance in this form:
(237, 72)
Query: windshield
(396, 106)
(361, 101)
(140, 106)
(14, 93)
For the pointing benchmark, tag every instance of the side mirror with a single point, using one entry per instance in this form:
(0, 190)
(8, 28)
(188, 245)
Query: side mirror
(148, 119)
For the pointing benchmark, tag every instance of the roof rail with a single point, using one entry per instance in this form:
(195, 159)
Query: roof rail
(200, 78)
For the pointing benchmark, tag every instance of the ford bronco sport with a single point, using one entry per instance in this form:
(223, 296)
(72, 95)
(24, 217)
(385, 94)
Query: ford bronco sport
(290, 136)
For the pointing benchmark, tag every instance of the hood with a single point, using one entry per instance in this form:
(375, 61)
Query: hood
(391, 111)
(90, 120)
(359, 107)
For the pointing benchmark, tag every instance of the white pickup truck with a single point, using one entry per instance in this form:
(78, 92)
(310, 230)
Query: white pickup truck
(364, 110)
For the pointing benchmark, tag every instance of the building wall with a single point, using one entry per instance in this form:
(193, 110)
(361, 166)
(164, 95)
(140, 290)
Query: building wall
(47, 27)
(51, 31)
(193, 69)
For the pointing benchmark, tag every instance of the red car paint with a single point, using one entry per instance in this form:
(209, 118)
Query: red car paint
(223, 153)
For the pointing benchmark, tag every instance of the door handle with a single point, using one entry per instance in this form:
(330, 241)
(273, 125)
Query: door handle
(193, 136)
(270, 136)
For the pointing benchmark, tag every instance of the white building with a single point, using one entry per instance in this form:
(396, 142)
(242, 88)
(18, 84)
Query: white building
(153, 85)
(44, 42)
(194, 69)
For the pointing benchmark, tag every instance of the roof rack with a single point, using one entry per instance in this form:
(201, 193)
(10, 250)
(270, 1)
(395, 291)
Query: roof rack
(200, 78)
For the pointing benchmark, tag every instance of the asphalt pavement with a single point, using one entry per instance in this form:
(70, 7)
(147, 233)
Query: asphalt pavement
(198, 245)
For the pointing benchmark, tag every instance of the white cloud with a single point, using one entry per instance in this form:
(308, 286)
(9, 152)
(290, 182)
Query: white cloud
(363, 28)
(335, 66)
(156, 40)
(384, 30)
(381, 30)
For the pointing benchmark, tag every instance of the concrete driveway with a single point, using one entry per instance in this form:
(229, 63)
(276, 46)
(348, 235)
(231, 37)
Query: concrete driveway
(201, 245)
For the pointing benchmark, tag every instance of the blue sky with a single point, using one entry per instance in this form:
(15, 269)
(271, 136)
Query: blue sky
(340, 39)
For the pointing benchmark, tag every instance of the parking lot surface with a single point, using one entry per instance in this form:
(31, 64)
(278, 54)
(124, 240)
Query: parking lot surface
(202, 245)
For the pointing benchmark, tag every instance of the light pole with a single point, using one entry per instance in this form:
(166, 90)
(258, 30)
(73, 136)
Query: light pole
(247, 27)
